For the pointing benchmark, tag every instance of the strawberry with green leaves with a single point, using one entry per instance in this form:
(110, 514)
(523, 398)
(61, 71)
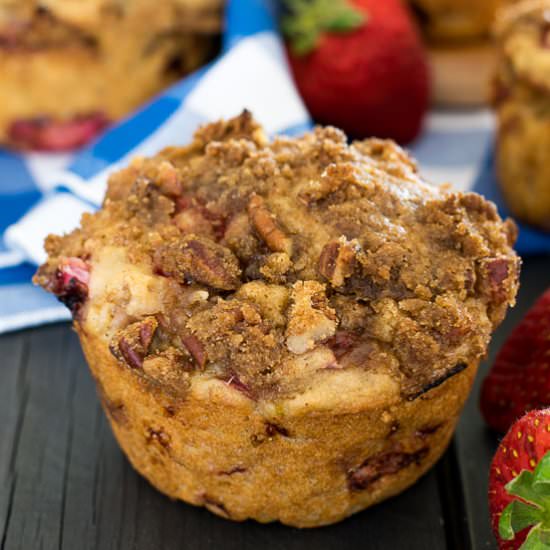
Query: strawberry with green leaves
(519, 485)
(359, 65)
(519, 380)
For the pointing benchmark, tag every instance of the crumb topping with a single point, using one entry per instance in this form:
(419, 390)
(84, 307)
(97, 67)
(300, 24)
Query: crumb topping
(524, 41)
(266, 264)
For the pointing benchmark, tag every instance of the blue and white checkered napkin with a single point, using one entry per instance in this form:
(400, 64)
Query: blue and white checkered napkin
(45, 193)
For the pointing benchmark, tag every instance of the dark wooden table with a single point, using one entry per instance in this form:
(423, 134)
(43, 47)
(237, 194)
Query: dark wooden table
(64, 484)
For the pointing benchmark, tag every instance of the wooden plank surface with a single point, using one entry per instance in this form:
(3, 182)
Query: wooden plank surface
(475, 443)
(64, 484)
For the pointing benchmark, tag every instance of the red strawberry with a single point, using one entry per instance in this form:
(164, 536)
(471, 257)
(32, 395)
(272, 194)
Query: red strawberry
(46, 134)
(519, 485)
(519, 380)
(359, 65)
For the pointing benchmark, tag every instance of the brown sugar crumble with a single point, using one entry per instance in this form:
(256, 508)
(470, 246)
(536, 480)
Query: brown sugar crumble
(262, 263)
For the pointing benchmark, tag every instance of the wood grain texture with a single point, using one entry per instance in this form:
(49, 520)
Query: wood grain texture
(65, 485)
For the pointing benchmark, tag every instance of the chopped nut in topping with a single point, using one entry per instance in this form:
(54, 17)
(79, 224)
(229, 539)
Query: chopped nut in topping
(196, 349)
(338, 260)
(131, 345)
(197, 258)
(267, 227)
(168, 179)
(311, 319)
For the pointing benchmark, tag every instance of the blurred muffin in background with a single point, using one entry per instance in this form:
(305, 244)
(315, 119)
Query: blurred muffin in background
(462, 54)
(456, 20)
(68, 67)
(522, 103)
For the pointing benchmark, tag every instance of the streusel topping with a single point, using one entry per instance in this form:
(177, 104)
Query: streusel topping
(264, 263)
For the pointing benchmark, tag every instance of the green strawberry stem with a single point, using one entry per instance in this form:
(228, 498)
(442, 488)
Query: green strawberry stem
(308, 19)
(531, 510)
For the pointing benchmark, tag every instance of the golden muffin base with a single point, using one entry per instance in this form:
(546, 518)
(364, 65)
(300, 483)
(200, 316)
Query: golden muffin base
(212, 446)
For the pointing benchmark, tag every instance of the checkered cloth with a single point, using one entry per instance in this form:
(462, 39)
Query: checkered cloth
(47, 193)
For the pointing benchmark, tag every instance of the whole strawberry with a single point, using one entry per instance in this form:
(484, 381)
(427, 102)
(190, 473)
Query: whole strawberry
(359, 65)
(519, 380)
(519, 485)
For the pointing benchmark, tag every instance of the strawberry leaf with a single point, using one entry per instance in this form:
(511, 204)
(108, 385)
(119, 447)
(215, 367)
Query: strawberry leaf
(308, 19)
(516, 517)
(305, 43)
(523, 486)
(344, 21)
(531, 509)
(542, 474)
(537, 539)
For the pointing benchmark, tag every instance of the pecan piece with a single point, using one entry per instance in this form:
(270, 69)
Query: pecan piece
(168, 179)
(197, 258)
(337, 260)
(267, 227)
(196, 349)
(235, 382)
(131, 345)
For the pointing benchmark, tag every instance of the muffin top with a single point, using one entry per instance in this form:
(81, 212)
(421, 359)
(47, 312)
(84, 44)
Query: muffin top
(282, 266)
(523, 31)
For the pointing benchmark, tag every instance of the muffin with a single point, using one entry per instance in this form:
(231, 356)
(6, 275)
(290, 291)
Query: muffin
(462, 52)
(283, 330)
(522, 103)
(66, 64)
(456, 20)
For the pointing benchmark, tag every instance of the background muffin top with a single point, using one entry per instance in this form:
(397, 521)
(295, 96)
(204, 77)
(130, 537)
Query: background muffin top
(262, 263)
(90, 13)
(523, 35)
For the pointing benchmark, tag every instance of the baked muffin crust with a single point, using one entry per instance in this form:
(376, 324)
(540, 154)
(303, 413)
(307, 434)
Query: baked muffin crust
(280, 291)
(85, 51)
